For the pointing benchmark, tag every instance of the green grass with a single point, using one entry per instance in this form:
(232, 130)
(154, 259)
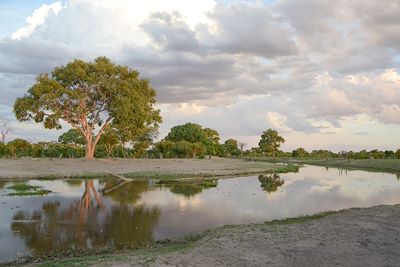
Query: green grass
(301, 219)
(287, 168)
(22, 189)
(377, 165)
(387, 165)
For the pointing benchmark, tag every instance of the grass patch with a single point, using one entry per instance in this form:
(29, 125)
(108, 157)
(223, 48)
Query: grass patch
(301, 219)
(376, 165)
(22, 189)
(287, 168)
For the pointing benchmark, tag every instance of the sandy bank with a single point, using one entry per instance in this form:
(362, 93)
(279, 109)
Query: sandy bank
(32, 168)
(355, 237)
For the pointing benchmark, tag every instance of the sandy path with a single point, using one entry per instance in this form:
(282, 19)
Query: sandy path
(356, 237)
(30, 168)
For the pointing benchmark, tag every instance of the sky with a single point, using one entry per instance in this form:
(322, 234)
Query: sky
(324, 73)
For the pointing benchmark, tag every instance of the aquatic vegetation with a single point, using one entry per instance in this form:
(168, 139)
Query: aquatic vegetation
(287, 168)
(22, 189)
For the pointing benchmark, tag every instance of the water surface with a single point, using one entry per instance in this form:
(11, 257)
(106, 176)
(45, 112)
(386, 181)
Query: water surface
(104, 213)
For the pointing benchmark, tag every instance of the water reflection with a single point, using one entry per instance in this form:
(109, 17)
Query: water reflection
(270, 182)
(74, 182)
(86, 223)
(110, 213)
(188, 188)
(124, 192)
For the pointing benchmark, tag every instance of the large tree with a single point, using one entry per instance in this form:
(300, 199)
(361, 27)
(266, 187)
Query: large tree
(92, 97)
(270, 142)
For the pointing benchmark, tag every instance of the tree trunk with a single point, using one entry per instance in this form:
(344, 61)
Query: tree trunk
(89, 151)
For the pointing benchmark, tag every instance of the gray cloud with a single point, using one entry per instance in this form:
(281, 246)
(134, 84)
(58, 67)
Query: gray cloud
(293, 58)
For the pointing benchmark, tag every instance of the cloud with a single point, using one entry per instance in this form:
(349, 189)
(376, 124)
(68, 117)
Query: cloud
(248, 28)
(38, 18)
(240, 67)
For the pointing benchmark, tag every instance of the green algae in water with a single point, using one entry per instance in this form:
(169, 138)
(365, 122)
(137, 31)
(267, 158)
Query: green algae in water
(27, 190)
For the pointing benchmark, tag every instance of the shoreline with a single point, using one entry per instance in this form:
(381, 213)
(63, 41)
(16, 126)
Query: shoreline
(48, 169)
(350, 237)
(372, 165)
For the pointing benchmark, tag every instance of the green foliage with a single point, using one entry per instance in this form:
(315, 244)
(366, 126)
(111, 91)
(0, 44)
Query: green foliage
(92, 97)
(20, 147)
(72, 137)
(22, 189)
(189, 132)
(231, 147)
(109, 140)
(270, 142)
(189, 140)
(299, 153)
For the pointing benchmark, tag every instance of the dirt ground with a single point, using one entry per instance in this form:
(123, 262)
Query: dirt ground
(355, 237)
(33, 168)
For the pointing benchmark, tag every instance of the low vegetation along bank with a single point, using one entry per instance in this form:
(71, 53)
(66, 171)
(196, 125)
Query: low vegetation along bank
(384, 165)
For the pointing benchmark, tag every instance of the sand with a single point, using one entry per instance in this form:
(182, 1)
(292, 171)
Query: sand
(59, 168)
(355, 237)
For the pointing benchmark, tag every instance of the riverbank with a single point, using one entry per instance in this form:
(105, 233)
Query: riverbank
(354, 237)
(380, 165)
(27, 168)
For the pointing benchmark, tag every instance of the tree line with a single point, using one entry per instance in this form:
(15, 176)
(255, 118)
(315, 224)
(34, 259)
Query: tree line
(188, 140)
(111, 112)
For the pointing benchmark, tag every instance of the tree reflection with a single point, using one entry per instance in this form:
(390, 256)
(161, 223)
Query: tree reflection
(2, 184)
(188, 188)
(74, 182)
(86, 223)
(270, 182)
(124, 192)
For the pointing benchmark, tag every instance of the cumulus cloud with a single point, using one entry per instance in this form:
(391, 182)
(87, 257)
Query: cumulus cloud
(38, 18)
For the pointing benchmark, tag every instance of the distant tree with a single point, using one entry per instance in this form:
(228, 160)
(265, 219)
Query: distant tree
(389, 154)
(21, 147)
(270, 142)
(231, 146)
(109, 140)
(4, 129)
(397, 154)
(165, 148)
(299, 153)
(242, 146)
(72, 137)
(197, 149)
(212, 135)
(189, 132)
(195, 133)
(183, 149)
(92, 97)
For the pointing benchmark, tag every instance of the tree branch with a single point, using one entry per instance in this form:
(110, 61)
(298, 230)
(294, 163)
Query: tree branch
(108, 121)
